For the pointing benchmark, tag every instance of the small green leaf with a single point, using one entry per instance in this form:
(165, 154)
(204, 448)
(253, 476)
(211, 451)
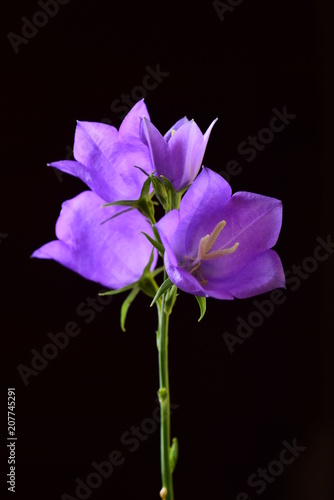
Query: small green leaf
(156, 234)
(168, 184)
(121, 203)
(163, 394)
(202, 305)
(163, 288)
(173, 454)
(118, 290)
(159, 187)
(171, 299)
(142, 170)
(126, 304)
(146, 188)
(173, 197)
(116, 215)
(147, 268)
(160, 191)
(156, 244)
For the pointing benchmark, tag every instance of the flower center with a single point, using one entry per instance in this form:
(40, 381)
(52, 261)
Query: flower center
(193, 264)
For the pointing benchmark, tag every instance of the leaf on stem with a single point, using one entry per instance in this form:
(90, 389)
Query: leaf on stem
(173, 454)
(155, 243)
(163, 288)
(125, 306)
(202, 305)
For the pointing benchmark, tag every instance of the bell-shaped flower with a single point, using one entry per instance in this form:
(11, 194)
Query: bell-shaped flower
(179, 153)
(113, 253)
(219, 245)
(105, 158)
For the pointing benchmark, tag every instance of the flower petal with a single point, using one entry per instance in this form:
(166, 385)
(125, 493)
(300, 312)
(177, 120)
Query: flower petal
(74, 168)
(175, 127)
(166, 228)
(131, 124)
(113, 254)
(177, 156)
(198, 211)
(186, 281)
(187, 148)
(261, 274)
(252, 220)
(106, 158)
(186, 151)
(157, 145)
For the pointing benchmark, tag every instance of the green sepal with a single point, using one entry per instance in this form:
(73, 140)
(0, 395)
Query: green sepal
(145, 191)
(126, 304)
(116, 215)
(147, 268)
(119, 290)
(142, 170)
(144, 203)
(155, 243)
(202, 305)
(121, 203)
(173, 454)
(163, 288)
(171, 299)
(146, 284)
(174, 198)
(160, 191)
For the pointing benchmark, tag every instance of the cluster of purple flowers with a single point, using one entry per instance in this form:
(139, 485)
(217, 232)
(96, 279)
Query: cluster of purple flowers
(214, 244)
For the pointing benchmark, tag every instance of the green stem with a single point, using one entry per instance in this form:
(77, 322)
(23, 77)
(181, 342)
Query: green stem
(164, 399)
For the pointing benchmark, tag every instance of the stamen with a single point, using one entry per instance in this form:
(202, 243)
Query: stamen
(221, 252)
(202, 246)
(205, 245)
(214, 235)
(173, 132)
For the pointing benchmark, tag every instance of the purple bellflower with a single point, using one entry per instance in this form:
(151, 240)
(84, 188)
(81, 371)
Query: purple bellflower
(105, 158)
(218, 245)
(113, 254)
(179, 153)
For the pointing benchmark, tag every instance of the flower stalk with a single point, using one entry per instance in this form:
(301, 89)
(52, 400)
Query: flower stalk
(167, 492)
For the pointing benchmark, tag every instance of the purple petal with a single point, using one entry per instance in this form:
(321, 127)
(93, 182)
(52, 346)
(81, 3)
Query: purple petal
(186, 281)
(177, 156)
(106, 158)
(175, 127)
(208, 132)
(166, 228)
(261, 274)
(252, 220)
(74, 168)
(131, 124)
(113, 254)
(187, 147)
(199, 211)
(157, 145)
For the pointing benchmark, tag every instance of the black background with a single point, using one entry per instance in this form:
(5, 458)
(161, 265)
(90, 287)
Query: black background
(234, 410)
